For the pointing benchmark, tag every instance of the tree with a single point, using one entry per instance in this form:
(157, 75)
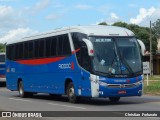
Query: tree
(103, 23)
(2, 48)
(120, 24)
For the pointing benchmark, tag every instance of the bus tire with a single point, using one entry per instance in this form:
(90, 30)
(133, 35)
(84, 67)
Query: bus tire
(71, 93)
(22, 93)
(114, 99)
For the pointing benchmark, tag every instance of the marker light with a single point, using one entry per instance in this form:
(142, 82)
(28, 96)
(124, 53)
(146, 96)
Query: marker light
(91, 51)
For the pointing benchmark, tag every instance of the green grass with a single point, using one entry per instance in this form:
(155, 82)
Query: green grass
(152, 78)
(153, 88)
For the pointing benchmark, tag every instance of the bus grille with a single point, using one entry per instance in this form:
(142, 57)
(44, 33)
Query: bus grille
(121, 85)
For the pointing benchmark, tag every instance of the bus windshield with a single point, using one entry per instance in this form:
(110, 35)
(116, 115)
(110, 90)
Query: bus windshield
(116, 56)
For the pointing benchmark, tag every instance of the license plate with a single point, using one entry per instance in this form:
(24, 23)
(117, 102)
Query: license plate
(122, 92)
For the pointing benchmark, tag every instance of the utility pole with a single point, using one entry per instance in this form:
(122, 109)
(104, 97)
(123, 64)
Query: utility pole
(151, 57)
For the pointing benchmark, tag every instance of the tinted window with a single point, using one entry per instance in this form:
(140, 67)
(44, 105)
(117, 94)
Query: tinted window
(77, 38)
(85, 61)
(54, 46)
(20, 51)
(41, 48)
(51, 46)
(60, 45)
(36, 47)
(10, 52)
(26, 47)
(48, 47)
(30, 49)
(78, 44)
(16, 52)
(64, 45)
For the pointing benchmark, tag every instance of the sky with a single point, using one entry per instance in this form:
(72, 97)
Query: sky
(19, 18)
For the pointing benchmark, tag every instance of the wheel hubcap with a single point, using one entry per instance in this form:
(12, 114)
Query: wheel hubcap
(20, 90)
(71, 92)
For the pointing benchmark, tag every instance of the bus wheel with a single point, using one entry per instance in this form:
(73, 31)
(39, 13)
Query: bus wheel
(114, 99)
(71, 93)
(21, 90)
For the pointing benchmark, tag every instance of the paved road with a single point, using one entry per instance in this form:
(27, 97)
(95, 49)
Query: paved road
(10, 101)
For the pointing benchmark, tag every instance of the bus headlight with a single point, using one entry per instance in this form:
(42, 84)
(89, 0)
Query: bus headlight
(103, 84)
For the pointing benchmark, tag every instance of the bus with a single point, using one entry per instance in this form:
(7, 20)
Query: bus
(2, 68)
(79, 61)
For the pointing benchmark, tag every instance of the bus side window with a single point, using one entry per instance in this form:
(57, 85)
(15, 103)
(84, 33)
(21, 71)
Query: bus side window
(64, 48)
(85, 59)
(10, 52)
(30, 49)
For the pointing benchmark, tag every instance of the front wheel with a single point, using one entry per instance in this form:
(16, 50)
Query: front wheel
(114, 99)
(71, 93)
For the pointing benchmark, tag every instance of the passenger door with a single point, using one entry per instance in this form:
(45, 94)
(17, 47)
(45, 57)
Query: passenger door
(85, 74)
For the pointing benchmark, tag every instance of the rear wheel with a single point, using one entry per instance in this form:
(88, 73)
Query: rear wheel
(71, 93)
(22, 93)
(114, 99)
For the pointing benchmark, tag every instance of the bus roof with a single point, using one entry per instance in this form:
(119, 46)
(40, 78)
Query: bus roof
(92, 30)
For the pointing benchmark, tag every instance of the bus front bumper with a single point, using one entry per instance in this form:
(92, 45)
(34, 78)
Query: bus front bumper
(121, 91)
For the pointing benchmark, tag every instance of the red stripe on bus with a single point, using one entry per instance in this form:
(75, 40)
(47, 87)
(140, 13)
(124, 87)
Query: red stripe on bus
(2, 76)
(40, 61)
(75, 51)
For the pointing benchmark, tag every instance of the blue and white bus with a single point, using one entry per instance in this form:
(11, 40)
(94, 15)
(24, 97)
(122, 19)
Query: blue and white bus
(2, 68)
(81, 61)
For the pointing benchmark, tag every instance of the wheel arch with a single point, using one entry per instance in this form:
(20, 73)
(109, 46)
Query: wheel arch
(67, 81)
(18, 80)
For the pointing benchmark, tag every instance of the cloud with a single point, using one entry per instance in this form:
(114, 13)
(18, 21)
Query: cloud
(83, 7)
(114, 16)
(42, 4)
(111, 19)
(58, 6)
(8, 0)
(143, 14)
(10, 18)
(16, 34)
(5, 11)
(106, 8)
(52, 17)
(132, 5)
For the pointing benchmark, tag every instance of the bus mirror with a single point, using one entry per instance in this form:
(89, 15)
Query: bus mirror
(142, 47)
(89, 46)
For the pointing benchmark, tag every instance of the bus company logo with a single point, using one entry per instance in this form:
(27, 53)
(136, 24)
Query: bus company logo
(66, 66)
(6, 114)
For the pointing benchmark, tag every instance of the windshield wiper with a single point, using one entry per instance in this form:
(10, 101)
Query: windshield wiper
(126, 64)
(115, 59)
(122, 60)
